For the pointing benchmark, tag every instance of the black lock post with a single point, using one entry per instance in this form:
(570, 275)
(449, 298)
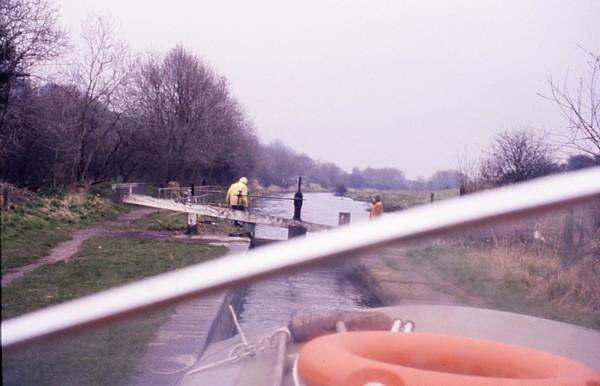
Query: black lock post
(298, 201)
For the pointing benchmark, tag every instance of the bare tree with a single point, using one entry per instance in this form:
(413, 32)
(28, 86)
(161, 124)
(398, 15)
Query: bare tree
(56, 112)
(518, 156)
(173, 118)
(581, 108)
(29, 34)
(192, 125)
(470, 171)
(102, 69)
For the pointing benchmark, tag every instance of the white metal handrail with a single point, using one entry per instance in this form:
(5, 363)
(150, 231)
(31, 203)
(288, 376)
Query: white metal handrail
(170, 287)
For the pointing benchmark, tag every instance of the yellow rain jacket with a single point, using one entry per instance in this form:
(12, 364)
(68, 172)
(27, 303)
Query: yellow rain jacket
(232, 197)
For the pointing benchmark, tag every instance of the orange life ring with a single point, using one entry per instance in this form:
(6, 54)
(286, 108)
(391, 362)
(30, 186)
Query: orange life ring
(403, 359)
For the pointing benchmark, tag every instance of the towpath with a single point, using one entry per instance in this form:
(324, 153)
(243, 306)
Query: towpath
(66, 249)
(396, 279)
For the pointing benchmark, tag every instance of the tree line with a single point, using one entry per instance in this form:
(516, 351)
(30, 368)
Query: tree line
(517, 156)
(281, 165)
(109, 115)
(154, 117)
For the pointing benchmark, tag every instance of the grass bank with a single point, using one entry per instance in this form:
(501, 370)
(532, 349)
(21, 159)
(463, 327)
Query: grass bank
(105, 356)
(102, 262)
(30, 229)
(160, 221)
(395, 200)
(168, 221)
(513, 279)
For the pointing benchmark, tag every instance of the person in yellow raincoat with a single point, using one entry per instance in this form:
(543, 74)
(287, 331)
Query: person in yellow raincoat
(237, 195)
(376, 207)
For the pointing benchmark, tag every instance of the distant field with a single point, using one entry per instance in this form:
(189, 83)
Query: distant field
(401, 199)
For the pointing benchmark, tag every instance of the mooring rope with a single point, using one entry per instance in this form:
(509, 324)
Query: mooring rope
(236, 354)
(243, 350)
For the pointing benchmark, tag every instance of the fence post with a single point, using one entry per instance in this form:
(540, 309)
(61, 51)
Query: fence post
(567, 248)
(5, 198)
(192, 224)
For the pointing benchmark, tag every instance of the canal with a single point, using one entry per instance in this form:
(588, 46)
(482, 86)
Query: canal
(273, 301)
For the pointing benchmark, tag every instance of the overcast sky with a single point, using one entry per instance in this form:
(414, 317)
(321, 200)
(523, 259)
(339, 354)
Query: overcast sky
(407, 84)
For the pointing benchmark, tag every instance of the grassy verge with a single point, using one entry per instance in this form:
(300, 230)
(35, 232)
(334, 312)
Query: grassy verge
(106, 356)
(513, 280)
(399, 199)
(102, 262)
(167, 221)
(160, 221)
(29, 231)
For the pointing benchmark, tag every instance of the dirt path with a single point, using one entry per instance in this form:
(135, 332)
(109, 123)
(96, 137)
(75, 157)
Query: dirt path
(68, 248)
(397, 279)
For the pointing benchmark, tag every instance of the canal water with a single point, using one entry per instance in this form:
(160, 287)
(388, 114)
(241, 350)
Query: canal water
(273, 302)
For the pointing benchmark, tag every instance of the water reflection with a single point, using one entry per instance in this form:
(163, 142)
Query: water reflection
(274, 301)
(321, 208)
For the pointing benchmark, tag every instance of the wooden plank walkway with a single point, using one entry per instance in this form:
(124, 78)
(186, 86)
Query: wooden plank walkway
(221, 212)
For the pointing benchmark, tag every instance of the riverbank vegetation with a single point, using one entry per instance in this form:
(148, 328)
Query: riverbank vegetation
(401, 199)
(516, 280)
(545, 266)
